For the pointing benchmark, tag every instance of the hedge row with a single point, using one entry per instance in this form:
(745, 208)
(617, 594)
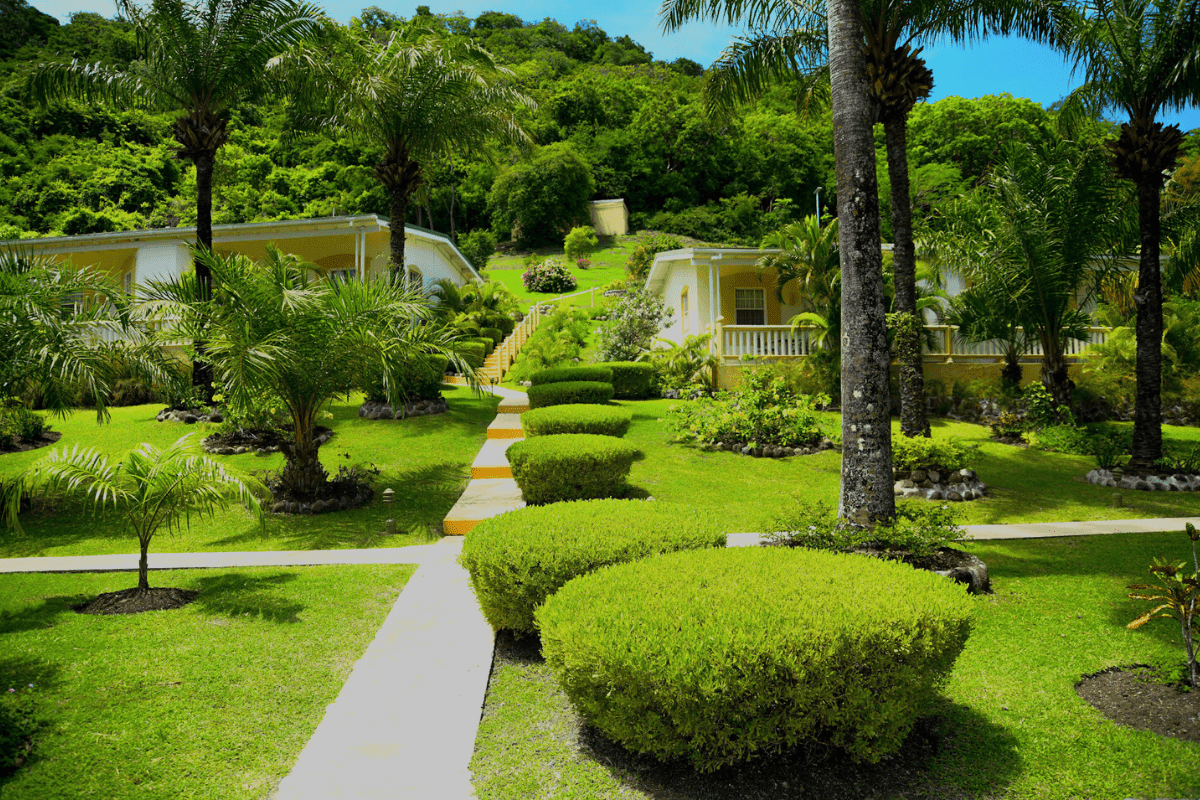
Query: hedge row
(564, 374)
(631, 380)
(473, 352)
(517, 560)
(557, 394)
(719, 656)
(577, 418)
(570, 466)
(495, 334)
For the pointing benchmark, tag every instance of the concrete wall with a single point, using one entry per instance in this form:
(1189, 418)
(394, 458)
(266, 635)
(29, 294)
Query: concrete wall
(683, 276)
(161, 261)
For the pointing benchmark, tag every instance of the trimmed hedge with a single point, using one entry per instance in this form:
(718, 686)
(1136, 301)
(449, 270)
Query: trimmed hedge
(570, 466)
(719, 656)
(559, 394)
(487, 343)
(495, 334)
(517, 560)
(564, 374)
(600, 420)
(631, 380)
(473, 352)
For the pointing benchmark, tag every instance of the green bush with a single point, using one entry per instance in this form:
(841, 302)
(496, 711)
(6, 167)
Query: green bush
(495, 334)
(600, 420)
(473, 352)
(941, 455)
(670, 656)
(421, 380)
(18, 422)
(519, 559)
(477, 247)
(630, 380)
(486, 341)
(581, 242)
(919, 529)
(564, 374)
(767, 411)
(570, 466)
(1062, 439)
(560, 394)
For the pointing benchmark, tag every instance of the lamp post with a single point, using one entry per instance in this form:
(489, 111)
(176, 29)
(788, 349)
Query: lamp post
(389, 497)
(818, 194)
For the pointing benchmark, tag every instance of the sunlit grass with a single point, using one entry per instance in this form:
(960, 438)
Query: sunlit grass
(608, 265)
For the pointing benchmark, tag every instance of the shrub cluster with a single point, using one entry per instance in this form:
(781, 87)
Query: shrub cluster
(630, 380)
(920, 529)
(570, 466)
(633, 323)
(519, 559)
(599, 420)
(495, 334)
(421, 379)
(597, 374)
(570, 392)
(472, 352)
(941, 455)
(765, 412)
(18, 422)
(558, 340)
(667, 657)
(549, 277)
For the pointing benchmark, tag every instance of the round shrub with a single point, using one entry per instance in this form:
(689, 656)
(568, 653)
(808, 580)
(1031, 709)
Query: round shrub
(564, 374)
(495, 334)
(486, 341)
(517, 560)
(548, 277)
(570, 466)
(600, 420)
(558, 394)
(631, 380)
(722, 655)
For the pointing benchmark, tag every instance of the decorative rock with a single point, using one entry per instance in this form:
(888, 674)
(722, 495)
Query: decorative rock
(972, 572)
(935, 477)
(373, 410)
(918, 476)
(279, 508)
(966, 474)
(954, 496)
(934, 494)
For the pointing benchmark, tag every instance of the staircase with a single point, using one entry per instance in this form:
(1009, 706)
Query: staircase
(502, 358)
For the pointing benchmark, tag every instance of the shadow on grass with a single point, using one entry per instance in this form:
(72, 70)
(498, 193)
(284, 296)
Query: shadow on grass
(240, 594)
(33, 617)
(18, 737)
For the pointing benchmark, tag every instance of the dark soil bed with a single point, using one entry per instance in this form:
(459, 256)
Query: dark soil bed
(1133, 696)
(135, 601)
(254, 440)
(22, 445)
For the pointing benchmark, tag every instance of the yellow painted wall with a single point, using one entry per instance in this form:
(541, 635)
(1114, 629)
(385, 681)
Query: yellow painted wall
(609, 218)
(749, 280)
(730, 375)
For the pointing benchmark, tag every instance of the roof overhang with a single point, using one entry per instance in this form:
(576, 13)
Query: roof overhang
(697, 256)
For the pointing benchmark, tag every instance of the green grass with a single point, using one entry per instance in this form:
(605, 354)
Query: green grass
(1025, 485)
(215, 699)
(426, 460)
(608, 265)
(1016, 727)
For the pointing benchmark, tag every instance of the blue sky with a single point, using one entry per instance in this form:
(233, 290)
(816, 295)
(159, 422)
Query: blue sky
(1000, 65)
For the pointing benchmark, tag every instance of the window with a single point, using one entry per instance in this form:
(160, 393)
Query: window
(750, 306)
(342, 275)
(683, 310)
(72, 304)
(414, 279)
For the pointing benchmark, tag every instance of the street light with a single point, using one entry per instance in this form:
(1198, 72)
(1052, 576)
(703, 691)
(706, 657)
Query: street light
(818, 194)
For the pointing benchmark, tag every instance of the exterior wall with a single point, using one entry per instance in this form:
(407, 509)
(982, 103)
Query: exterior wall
(609, 217)
(749, 280)
(419, 254)
(160, 261)
(683, 275)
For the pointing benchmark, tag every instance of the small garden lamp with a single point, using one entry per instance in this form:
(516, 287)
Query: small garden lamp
(389, 497)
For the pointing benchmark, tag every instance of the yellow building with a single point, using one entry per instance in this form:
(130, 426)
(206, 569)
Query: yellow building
(347, 247)
(609, 217)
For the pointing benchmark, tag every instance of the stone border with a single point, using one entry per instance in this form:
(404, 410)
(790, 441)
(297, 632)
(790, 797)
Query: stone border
(189, 416)
(323, 435)
(1167, 482)
(373, 409)
(770, 450)
(955, 485)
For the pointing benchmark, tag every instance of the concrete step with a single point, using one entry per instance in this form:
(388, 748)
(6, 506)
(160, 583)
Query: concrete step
(491, 461)
(483, 498)
(513, 405)
(506, 426)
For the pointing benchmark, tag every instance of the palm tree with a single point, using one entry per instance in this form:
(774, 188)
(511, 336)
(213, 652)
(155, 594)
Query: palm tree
(150, 487)
(201, 60)
(419, 95)
(65, 331)
(808, 255)
(789, 42)
(275, 329)
(1140, 57)
(989, 313)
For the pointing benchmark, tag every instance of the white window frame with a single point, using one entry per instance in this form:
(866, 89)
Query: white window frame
(340, 276)
(742, 302)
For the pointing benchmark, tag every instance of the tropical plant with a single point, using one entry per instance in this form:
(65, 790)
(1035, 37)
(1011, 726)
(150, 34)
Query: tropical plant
(808, 256)
(1140, 57)
(420, 95)
(151, 488)
(202, 59)
(682, 365)
(276, 329)
(987, 313)
(1177, 597)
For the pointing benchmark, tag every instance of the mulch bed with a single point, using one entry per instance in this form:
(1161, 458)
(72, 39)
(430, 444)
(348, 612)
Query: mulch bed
(23, 445)
(1135, 697)
(135, 601)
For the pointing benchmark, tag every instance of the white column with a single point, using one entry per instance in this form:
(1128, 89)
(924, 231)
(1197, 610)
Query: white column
(715, 286)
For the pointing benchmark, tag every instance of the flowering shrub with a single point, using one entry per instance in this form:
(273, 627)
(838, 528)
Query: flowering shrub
(765, 412)
(549, 277)
(633, 323)
(583, 263)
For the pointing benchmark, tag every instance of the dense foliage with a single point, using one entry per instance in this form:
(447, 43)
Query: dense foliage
(766, 411)
(570, 466)
(633, 323)
(662, 654)
(548, 277)
(630, 380)
(557, 394)
(562, 374)
(517, 560)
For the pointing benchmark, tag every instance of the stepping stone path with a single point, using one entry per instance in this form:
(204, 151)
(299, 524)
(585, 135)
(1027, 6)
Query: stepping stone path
(492, 490)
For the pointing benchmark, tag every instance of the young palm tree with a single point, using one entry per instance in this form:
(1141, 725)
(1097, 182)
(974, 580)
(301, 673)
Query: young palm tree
(419, 95)
(275, 329)
(789, 42)
(201, 60)
(1140, 57)
(150, 487)
(808, 255)
(63, 332)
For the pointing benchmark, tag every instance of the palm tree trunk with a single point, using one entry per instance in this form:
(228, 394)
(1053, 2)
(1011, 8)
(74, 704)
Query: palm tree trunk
(866, 490)
(303, 476)
(202, 375)
(1147, 408)
(913, 421)
(1054, 371)
(144, 564)
(399, 207)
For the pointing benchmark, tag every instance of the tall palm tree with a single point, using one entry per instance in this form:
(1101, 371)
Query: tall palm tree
(788, 41)
(420, 95)
(1140, 57)
(201, 60)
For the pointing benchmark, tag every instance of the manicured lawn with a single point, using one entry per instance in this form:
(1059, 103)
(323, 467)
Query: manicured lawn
(426, 460)
(215, 699)
(1010, 722)
(608, 265)
(1025, 485)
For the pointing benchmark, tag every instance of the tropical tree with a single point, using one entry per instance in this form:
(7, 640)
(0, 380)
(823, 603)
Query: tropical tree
(789, 42)
(277, 329)
(203, 60)
(151, 488)
(420, 95)
(808, 256)
(987, 312)
(66, 331)
(1037, 242)
(1140, 57)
